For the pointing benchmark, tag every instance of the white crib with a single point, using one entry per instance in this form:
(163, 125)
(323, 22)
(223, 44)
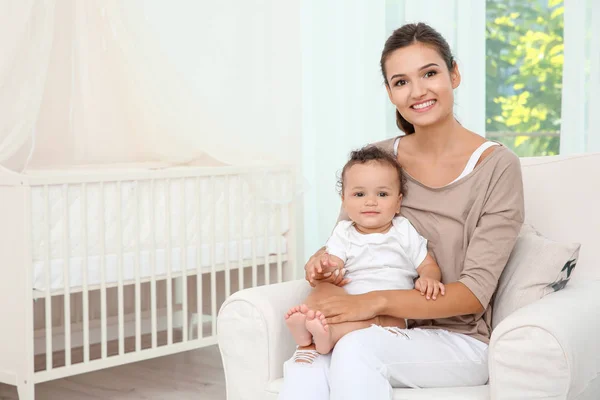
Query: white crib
(106, 267)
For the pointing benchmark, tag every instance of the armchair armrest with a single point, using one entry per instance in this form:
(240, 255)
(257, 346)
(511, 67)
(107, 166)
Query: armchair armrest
(253, 339)
(550, 348)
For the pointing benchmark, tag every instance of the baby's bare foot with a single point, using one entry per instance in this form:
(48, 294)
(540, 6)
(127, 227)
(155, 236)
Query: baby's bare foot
(316, 324)
(295, 320)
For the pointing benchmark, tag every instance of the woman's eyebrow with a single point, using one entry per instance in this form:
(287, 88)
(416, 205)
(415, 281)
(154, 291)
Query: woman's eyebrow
(420, 69)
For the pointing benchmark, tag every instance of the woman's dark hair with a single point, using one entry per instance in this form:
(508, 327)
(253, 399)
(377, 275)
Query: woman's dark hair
(405, 36)
(369, 154)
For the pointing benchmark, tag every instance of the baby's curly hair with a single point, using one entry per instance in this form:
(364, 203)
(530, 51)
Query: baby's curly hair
(368, 154)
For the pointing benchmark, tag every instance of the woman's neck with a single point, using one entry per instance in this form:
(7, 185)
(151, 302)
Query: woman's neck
(442, 138)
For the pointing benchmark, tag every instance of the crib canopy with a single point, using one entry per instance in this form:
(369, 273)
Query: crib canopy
(106, 81)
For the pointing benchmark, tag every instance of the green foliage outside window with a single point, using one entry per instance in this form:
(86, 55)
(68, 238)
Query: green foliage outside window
(524, 61)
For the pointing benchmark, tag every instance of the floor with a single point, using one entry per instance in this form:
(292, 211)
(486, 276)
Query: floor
(196, 374)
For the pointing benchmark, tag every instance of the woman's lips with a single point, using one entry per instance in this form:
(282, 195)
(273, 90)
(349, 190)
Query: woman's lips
(424, 106)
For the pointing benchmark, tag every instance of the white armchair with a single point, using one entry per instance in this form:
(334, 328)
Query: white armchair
(549, 349)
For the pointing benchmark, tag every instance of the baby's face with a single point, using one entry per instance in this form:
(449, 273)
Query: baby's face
(371, 195)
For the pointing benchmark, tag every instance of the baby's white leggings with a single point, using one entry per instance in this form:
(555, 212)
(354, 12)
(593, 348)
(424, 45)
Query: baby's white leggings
(366, 364)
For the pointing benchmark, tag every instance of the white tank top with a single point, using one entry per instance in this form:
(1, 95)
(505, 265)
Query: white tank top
(470, 164)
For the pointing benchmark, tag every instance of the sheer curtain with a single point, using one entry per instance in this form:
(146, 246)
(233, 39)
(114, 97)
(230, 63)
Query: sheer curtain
(580, 116)
(25, 45)
(93, 97)
(107, 81)
(345, 104)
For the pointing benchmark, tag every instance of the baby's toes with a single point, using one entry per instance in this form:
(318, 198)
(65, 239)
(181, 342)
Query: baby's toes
(323, 320)
(303, 308)
(291, 311)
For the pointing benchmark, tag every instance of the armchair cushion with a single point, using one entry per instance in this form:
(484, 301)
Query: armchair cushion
(537, 266)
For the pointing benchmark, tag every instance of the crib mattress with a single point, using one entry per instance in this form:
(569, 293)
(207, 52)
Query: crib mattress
(131, 259)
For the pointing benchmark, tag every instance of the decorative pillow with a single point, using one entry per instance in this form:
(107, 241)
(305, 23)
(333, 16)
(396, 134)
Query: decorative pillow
(537, 266)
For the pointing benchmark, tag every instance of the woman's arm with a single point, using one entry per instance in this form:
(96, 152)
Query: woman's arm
(458, 300)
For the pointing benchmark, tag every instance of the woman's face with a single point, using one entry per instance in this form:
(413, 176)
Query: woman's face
(420, 85)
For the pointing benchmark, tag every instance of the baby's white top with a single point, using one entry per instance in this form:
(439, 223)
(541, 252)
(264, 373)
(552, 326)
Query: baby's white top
(379, 261)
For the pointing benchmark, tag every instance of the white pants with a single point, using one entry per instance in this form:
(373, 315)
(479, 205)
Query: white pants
(367, 363)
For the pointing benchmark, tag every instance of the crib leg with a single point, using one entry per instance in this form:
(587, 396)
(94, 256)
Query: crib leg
(26, 390)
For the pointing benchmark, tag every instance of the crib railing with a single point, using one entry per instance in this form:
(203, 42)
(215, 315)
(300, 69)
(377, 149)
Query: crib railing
(132, 265)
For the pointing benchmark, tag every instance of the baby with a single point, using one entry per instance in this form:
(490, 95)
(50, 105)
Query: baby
(377, 249)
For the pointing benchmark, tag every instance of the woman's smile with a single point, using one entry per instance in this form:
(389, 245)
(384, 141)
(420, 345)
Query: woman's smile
(423, 106)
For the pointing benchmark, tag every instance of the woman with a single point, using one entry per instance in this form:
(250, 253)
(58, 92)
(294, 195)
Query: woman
(465, 195)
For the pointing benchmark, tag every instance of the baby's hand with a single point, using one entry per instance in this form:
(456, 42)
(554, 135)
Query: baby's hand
(330, 270)
(430, 287)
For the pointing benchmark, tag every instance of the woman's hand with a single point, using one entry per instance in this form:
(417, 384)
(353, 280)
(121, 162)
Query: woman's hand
(430, 287)
(346, 308)
(322, 267)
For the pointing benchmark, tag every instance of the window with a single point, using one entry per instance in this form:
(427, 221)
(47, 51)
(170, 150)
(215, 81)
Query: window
(524, 63)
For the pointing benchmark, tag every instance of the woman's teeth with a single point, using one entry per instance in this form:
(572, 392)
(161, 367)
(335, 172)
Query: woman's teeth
(423, 105)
